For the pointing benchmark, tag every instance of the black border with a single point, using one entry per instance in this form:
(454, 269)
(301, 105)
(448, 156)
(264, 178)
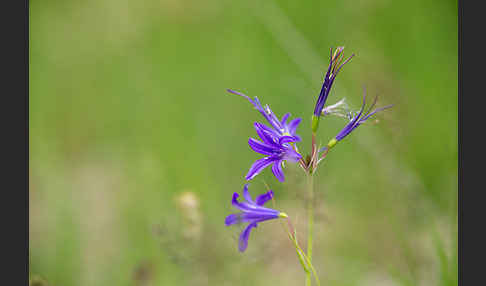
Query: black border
(471, 208)
(15, 150)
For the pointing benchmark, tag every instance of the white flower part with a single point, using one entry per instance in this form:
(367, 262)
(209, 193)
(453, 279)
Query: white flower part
(339, 108)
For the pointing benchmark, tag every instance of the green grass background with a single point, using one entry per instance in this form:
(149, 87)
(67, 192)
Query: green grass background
(128, 111)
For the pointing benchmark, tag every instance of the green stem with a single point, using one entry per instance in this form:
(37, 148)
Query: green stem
(304, 260)
(310, 216)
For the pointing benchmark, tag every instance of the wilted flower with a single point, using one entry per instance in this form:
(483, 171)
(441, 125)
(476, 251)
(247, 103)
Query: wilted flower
(252, 212)
(355, 121)
(335, 65)
(339, 108)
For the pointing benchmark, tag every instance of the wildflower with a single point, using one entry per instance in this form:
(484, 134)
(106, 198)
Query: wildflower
(335, 66)
(277, 151)
(356, 121)
(280, 127)
(252, 212)
(276, 141)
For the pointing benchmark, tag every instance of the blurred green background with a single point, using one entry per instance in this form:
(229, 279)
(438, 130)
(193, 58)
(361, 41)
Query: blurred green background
(136, 148)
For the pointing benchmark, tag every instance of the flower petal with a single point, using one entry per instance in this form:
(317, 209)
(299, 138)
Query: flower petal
(231, 219)
(258, 106)
(251, 207)
(375, 111)
(293, 125)
(291, 155)
(346, 130)
(263, 198)
(258, 217)
(261, 147)
(267, 134)
(286, 139)
(267, 113)
(246, 194)
(258, 166)
(284, 118)
(271, 118)
(244, 236)
(352, 124)
(249, 217)
(277, 171)
(240, 94)
(297, 138)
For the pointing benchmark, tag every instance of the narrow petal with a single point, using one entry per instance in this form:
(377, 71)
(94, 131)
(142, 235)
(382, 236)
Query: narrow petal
(375, 111)
(286, 139)
(291, 155)
(326, 86)
(258, 166)
(297, 138)
(266, 133)
(259, 106)
(284, 118)
(246, 194)
(251, 207)
(371, 106)
(249, 217)
(272, 118)
(293, 125)
(345, 62)
(261, 147)
(231, 219)
(347, 129)
(263, 198)
(355, 122)
(258, 217)
(241, 94)
(244, 236)
(255, 102)
(277, 171)
(267, 113)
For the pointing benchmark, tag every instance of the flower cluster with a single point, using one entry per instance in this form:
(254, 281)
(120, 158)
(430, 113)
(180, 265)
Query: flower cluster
(277, 142)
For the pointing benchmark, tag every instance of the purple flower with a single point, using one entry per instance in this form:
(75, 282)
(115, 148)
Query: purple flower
(355, 121)
(335, 65)
(280, 127)
(252, 212)
(276, 141)
(276, 150)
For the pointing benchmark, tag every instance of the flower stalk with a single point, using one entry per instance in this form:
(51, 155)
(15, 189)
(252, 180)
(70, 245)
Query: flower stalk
(277, 142)
(310, 223)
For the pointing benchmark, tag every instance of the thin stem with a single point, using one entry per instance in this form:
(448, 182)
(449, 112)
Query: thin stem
(305, 262)
(313, 160)
(310, 215)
